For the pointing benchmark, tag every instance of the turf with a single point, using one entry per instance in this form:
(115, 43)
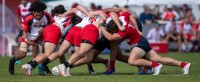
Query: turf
(124, 72)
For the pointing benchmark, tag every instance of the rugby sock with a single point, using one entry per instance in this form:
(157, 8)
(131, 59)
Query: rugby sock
(71, 66)
(33, 63)
(112, 64)
(13, 59)
(34, 55)
(47, 61)
(183, 64)
(154, 64)
(90, 66)
(105, 61)
(66, 64)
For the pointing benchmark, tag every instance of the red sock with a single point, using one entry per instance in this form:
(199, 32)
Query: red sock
(105, 61)
(34, 55)
(154, 64)
(183, 64)
(112, 64)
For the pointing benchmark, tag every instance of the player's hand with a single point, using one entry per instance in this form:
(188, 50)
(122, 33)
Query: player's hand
(122, 28)
(41, 30)
(31, 42)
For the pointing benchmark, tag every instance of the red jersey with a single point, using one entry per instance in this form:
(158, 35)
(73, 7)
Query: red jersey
(130, 34)
(23, 10)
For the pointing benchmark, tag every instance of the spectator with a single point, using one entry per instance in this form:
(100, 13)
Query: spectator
(156, 12)
(116, 6)
(155, 34)
(196, 28)
(189, 14)
(99, 7)
(172, 33)
(187, 33)
(183, 10)
(169, 14)
(146, 17)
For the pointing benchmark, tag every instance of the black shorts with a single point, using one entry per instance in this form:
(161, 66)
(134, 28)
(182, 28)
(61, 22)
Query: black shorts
(102, 44)
(20, 33)
(144, 44)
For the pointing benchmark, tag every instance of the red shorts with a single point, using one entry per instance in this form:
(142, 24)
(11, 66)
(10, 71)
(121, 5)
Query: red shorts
(70, 34)
(189, 36)
(52, 34)
(90, 33)
(77, 37)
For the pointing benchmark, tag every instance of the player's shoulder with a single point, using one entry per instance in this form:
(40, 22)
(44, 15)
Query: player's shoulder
(28, 17)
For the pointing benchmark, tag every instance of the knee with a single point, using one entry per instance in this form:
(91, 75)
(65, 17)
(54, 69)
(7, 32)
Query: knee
(22, 54)
(131, 61)
(81, 53)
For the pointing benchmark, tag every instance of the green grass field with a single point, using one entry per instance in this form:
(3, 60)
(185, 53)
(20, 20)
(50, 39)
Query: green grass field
(124, 72)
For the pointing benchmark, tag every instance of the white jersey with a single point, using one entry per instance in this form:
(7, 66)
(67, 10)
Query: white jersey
(32, 25)
(64, 27)
(23, 10)
(187, 28)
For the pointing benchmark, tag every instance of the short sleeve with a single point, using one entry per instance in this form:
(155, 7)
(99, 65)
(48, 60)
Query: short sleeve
(80, 14)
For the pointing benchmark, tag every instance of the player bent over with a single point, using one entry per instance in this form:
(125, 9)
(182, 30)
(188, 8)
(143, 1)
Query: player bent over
(32, 30)
(140, 48)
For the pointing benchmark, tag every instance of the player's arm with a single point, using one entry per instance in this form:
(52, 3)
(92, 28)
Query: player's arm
(114, 10)
(26, 28)
(84, 10)
(116, 19)
(101, 14)
(71, 11)
(134, 23)
(18, 17)
(110, 36)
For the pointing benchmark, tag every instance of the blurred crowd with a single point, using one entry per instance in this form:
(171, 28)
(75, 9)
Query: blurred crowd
(181, 26)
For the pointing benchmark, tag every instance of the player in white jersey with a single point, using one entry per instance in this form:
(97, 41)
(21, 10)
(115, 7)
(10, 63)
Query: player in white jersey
(22, 11)
(32, 29)
(51, 36)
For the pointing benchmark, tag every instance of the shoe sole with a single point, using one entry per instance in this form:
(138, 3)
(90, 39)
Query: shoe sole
(188, 69)
(160, 70)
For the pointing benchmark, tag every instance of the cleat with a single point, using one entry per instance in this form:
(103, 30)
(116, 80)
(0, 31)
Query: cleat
(41, 70)
(157, 69)
(145, 71)
(65, 72)
(91, 71)
(46, 69)
(186, 68)
(27, 69)
(11, 67)
(109, 71)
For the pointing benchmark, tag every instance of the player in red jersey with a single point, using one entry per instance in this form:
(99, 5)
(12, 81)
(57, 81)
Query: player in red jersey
(32, 29)
(140, 48)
